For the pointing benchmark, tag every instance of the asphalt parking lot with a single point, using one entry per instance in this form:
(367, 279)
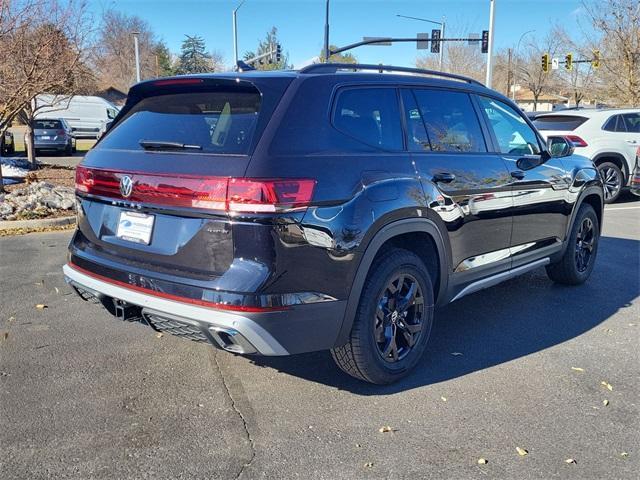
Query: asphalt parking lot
(520, 365)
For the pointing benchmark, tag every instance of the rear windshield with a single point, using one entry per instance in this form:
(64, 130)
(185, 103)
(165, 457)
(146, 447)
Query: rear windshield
(565, 123)
(220, 121)
(43, 124)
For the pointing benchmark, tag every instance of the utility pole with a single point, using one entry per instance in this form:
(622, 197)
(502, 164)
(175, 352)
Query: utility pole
(442, 44)
(489, 76)
(326, 33)
(135, 47)
(509, 72)
(235, 34)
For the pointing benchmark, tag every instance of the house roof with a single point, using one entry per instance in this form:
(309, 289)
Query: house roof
(526, 95)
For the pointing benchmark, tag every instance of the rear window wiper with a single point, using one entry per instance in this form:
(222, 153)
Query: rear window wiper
(162, 145)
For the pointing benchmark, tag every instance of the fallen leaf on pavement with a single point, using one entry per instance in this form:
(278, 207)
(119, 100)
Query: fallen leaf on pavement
(624, 454)
(570, 460)
(57, 290)
(159, 335)
(605, 402)
(522, 452)
(385, 429)
(368, 464)
(41, 306)
(606, 385)
(444, 399)
(482, 461)
(577, 369)
(11, 319)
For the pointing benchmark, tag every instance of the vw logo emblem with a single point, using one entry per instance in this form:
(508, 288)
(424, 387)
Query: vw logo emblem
(126, 186)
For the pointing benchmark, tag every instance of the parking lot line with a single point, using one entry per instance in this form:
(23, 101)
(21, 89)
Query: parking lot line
(621, 208)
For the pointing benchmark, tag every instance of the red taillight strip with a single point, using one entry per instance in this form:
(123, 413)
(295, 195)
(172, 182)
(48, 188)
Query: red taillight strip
(168, 296)
(250, 195)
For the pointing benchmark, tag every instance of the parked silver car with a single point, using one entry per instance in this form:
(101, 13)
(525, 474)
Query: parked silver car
(53, 134)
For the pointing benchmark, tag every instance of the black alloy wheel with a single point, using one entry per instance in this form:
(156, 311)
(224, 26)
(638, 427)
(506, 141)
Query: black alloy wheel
(398, 322)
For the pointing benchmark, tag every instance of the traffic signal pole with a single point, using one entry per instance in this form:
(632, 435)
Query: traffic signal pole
(327, 54)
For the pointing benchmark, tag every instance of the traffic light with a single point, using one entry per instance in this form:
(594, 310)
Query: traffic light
(568, 61)
(545, 62)
(278, 52)
(485, 41)
(435, 41)
(595, 63)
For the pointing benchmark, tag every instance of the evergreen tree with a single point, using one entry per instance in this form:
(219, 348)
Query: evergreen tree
(164, 62)
(194, 57)
(269, 43)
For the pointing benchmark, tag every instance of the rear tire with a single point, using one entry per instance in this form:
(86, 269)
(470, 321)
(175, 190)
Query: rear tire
(391, 328)
(579, 257)
(612, 179)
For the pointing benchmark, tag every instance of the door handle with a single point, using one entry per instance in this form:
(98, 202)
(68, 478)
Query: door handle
(443, 177)
(518, 174)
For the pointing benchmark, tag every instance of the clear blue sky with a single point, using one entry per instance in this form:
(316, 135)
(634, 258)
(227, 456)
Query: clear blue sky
(300, 23)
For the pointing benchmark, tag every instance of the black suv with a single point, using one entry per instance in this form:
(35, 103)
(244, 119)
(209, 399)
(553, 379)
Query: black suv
(279, 212)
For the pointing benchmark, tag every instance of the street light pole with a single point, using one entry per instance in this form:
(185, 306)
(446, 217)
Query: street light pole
(235, 34)
(135, 47)
(326, 33)
(515, 64)
(489, 76)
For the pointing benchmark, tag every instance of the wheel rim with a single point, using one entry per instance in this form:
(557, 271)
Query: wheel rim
(399, 317)
(612, 181)
(585, 243)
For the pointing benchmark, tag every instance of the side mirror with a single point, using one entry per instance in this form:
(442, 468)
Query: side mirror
(560, 146)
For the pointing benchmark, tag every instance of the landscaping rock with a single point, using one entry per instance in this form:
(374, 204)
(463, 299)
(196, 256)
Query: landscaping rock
(36, 200)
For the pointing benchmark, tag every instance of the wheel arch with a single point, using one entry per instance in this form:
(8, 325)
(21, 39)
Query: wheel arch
(407, 234)
(615, 158)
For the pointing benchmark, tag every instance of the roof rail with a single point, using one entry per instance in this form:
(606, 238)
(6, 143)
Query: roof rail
(334, 67)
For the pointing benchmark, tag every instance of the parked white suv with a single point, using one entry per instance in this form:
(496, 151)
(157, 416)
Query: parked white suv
(609, 137)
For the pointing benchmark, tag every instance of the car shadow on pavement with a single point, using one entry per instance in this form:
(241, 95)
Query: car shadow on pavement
(503, 323)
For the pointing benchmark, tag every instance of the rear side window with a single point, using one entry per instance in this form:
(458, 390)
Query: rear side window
(562, 123)
(44, 124)
(220, 121)
(451, 121)
(370, 115)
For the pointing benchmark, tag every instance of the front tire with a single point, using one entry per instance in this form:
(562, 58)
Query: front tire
(612, 180)
(579, 257)
(393, 320)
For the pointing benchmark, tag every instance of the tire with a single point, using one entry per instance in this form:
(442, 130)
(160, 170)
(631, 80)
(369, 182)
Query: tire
(68, 151)
(612, 179)
(372, 334)
(576, 264)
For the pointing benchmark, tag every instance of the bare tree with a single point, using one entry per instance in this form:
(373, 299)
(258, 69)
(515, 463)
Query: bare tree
(459, 58)
(580, 81)
(114, 57)
(529, 67)
(618, 25)
(46, 42)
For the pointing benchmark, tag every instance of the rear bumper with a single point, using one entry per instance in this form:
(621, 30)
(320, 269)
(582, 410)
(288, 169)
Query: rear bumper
(299, 329)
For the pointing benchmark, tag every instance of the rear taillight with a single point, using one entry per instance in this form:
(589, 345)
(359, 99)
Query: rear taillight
(212, 193)
(250, 195)
(60, 133)
(576, 140)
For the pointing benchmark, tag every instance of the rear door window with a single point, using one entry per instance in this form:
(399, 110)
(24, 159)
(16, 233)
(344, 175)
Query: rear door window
(632, 122)
(220, 122)
(450, 120)
(370, 115)
(561, 123)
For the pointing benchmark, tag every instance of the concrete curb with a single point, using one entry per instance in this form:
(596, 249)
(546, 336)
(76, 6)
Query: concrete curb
(37, 223)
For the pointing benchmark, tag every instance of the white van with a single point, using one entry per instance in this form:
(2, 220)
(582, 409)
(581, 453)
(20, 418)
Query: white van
(86, 115)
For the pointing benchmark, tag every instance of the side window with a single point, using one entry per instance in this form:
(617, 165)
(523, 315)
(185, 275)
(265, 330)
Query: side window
(417, 139)
(370, 115)
(450, 120)
(632, 121)
(111, 113)
(514, 135)
(610, 125)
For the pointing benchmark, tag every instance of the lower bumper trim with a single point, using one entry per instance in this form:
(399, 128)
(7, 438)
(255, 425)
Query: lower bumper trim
(225, 327)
